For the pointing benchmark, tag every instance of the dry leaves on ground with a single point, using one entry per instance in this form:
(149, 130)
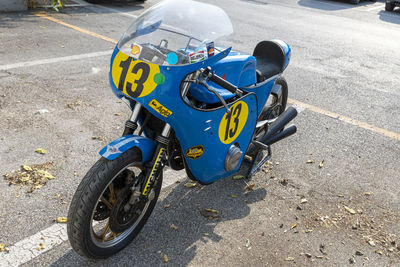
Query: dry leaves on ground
(34, 176)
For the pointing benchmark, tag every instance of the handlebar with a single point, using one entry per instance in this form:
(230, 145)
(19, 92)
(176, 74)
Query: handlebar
(206, 73)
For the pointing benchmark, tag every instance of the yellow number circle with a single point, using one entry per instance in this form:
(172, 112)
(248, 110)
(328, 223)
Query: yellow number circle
(232, 124)
(135, 78)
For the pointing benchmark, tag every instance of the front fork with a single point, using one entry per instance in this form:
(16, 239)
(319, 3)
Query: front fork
(156, 164)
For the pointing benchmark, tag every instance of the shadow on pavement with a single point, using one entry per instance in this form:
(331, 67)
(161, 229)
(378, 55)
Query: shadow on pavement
(392, 17)
(179, 245)
(332, 5)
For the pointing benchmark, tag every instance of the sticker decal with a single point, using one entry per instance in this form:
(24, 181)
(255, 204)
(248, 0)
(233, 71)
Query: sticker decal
(163, 111)
(133, 77)
(136, 49)
(232, 124)
(195, 152)
(197, 57)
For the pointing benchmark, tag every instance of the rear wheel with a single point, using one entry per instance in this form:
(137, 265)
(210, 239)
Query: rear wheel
(274, 107)
(354, 2)
(104, 217)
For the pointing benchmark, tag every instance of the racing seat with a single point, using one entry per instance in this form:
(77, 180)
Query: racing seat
(270, 59)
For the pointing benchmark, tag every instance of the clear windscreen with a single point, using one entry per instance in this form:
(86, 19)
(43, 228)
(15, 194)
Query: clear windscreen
(176, 32)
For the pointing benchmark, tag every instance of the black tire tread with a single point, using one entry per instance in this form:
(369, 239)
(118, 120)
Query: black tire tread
(85, 198)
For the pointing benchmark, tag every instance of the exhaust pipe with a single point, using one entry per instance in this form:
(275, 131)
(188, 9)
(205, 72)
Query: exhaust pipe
(273, 135)
(279, 136)
(288, 115)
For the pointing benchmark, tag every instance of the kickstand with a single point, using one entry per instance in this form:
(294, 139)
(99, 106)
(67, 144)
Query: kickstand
(255, 167)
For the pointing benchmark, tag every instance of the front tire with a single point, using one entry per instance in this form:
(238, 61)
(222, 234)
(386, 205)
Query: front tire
(88, 226)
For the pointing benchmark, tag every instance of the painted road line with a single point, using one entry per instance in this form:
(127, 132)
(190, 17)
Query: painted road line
(28, 248)
(54, 60)
(376, 7)
(346, 119)
(119, 12)
(349, 120)
(93, 34)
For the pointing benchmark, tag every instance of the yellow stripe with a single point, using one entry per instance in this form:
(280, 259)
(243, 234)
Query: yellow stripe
(152, 170)
(348, 120)
(93, 34)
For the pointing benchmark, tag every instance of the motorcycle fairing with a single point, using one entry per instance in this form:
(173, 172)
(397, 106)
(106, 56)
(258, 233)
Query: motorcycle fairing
(193, 127)
(114, 149)
(237, 68)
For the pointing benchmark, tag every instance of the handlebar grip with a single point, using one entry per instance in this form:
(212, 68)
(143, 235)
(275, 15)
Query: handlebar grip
(223, 83)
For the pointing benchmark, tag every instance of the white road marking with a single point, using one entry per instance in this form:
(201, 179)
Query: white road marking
(375, 7)
(54, 60)
(126, 14)
(27, 249)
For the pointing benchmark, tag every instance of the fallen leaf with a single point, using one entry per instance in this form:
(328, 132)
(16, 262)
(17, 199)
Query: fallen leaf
(166, 206)
(234, 196)
(321, 164)
(100, 138)
(378, 251)
(310, 161)
(309, 230)
(190, 184)
(41, 151)
(366, 258)
(206, 234)
(42, 27)
(303, 200)
(289, 259)
(340, 195)
(41, 246)
(2, 247)
(26, 167)
(61, 220)
(25, 179)
(308, 255)
(210, 214)
(45, 174)
(349, 210)
(284, 182)
(75, 104)
(165, 258)
(371, 243)
(359, 253)
(294, 225)
(248, 188)
(238, 177)
(119, 114)
(367, 193)
(173, 226)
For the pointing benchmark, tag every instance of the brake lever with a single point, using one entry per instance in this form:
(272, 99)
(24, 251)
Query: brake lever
(204, 83)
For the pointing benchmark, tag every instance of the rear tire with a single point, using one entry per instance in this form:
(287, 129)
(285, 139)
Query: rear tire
(354, 2)
(94, 187)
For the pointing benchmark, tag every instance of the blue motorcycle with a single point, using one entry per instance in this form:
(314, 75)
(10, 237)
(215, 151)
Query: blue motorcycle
(196, 105)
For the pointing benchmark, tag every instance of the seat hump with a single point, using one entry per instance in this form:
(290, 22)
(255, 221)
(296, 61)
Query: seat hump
(270, 59)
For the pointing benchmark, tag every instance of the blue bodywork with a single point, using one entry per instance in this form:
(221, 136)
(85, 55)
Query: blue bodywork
(197, 127)
(114, 149)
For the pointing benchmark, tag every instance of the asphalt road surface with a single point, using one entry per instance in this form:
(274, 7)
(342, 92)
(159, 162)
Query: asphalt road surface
(343, 78)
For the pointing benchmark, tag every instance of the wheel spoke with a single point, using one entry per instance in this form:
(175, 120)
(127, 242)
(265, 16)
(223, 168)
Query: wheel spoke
(105, 230)
(112, 193)
(105, 201)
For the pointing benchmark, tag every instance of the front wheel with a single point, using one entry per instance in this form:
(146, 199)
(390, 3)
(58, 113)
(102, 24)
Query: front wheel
(105, 215)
